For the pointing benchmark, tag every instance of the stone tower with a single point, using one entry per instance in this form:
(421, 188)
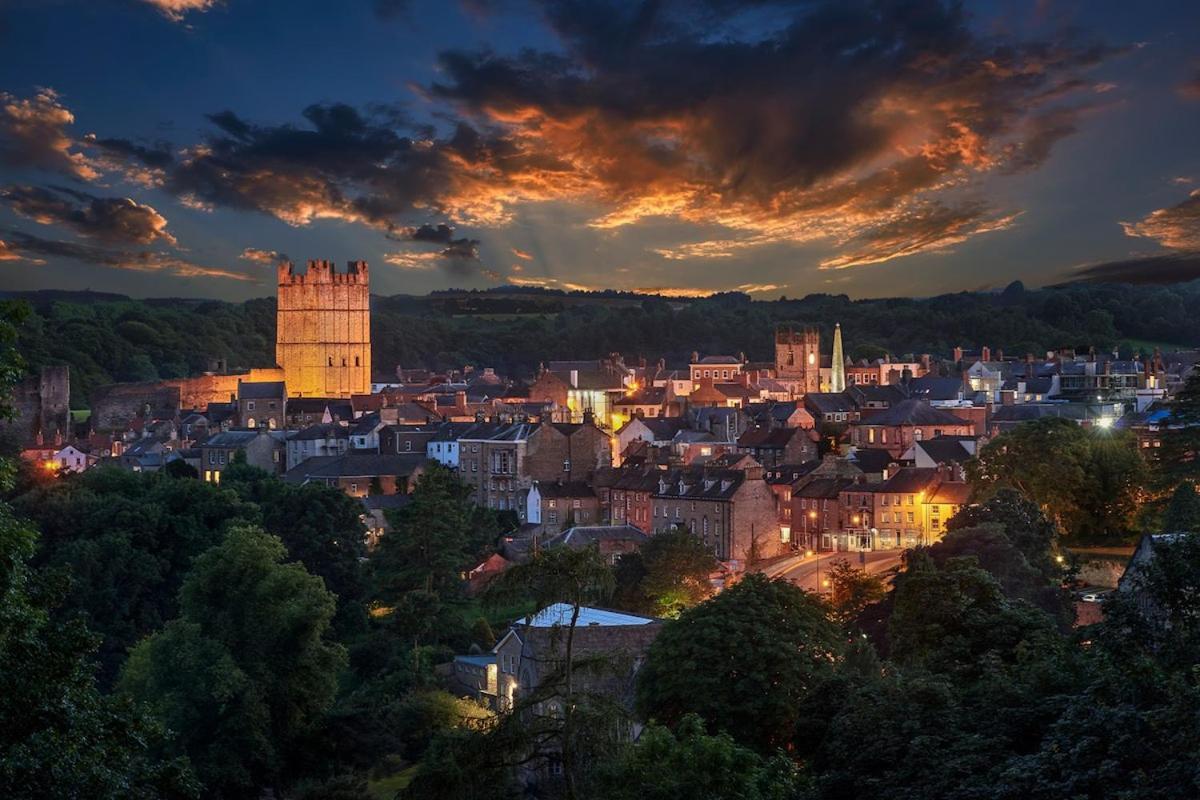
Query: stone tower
(323, 329)
(798, 359)
(837, 362)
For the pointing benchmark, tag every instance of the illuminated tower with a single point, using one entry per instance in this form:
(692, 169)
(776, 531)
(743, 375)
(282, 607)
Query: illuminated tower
(837, 362)
(323, 329)
(798, 359)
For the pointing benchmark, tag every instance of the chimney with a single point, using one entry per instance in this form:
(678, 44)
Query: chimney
(742, 358)
(460, 401)
(695, 357)
(574, 379)
(985, 354)
(999, 355)
(958, 355)
(589, 417)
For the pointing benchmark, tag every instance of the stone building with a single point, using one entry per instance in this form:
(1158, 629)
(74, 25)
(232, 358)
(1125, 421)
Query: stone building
(731, 510)
(263, 448)
(323, 329)
(798, 360)
(262, 405)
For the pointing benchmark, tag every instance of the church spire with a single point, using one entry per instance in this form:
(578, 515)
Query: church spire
(837, 362)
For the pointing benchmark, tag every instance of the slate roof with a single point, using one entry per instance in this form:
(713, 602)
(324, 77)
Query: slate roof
(871, 459)
(910, 480)
(767, 438)
(261, 390)
(719, 360)
(913, 412)
(830, 402)
(826, 488)
(560, 614)
(662, 428)
(236, 438)
(934, 388)
(320, 431)
(583, 536)
(565, 489)
(945, 451)
(355, 465)
(500, 432)
(790, 473)
(699, 484)
(952, 493)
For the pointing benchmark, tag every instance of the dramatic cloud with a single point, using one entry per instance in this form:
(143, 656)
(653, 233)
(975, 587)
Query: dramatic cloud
(118, 220)
(33, 247)
(866, 125)
(263, 256)
(1155, 269)
(7, 253)
(176, 10)
(1177, 227)
(33, 133)
(931, 228)
(521, 254)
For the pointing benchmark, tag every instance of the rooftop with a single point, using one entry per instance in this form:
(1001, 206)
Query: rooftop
(560, 614)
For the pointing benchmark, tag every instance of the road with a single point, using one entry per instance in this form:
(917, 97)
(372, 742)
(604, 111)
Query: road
(810, 572)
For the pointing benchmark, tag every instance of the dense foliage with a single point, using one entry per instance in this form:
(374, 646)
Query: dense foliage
(107, 338)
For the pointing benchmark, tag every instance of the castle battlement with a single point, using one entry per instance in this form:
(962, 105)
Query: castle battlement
(791, 336)
(321, 272)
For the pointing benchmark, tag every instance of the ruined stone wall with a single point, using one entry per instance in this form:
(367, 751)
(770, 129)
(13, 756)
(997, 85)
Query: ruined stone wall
(323, 330)
(201, 390)
(42, 407)
(114, 406)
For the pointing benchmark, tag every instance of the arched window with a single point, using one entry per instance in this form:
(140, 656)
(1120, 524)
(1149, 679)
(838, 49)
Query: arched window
(250, 422)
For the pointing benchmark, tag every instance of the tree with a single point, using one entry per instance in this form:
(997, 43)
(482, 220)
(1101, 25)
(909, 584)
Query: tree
(743, 661)
(666, 765)
(246, 669)
(669, 574)
(1183, 512)
(59, 736)
(1030, 531)
(1046, 460)
(125, 540)
(428, 546)
(1089, 481)
(852, 590)
(951, 618)
(1179, 456)
(321, 527)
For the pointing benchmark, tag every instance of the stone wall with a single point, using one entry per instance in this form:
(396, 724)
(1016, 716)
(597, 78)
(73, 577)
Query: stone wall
(116, 405)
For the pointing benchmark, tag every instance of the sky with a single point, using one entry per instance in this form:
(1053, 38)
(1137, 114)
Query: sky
(180, 148)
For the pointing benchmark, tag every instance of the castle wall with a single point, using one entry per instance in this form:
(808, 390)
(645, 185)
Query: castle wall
(116, 405)
(201, 390)
(323, 330)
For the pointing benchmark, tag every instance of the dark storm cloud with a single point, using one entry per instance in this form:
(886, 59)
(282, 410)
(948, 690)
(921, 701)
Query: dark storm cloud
(1177, 268)
(119, 220)
(35, 248)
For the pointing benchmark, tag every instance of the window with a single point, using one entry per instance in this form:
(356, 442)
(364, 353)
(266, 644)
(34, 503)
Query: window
(249, 405)
(575, 503)
(552, 516)
(356, 362)
(353, 487)
(910, 517)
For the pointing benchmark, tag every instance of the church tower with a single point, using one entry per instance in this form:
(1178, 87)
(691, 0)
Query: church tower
(323, 329)
(798, 359)
(837, 362)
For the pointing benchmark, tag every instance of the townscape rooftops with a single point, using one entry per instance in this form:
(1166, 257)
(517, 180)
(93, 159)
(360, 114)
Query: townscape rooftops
(872, 459)
(768, 438)
(237, 438)
(790, 473)
(830, 402)
(826, 488)
(699, 484)
(930, 387)
(723, 360)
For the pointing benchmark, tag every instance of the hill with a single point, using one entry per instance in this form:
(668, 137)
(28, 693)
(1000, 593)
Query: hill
(107, 338)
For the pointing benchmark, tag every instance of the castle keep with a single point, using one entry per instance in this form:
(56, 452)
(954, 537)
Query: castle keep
(323, 329)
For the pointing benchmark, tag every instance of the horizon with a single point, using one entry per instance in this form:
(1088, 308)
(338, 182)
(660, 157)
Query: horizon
(873, 150)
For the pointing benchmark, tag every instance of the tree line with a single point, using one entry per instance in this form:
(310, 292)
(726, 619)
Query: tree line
(106, 339)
